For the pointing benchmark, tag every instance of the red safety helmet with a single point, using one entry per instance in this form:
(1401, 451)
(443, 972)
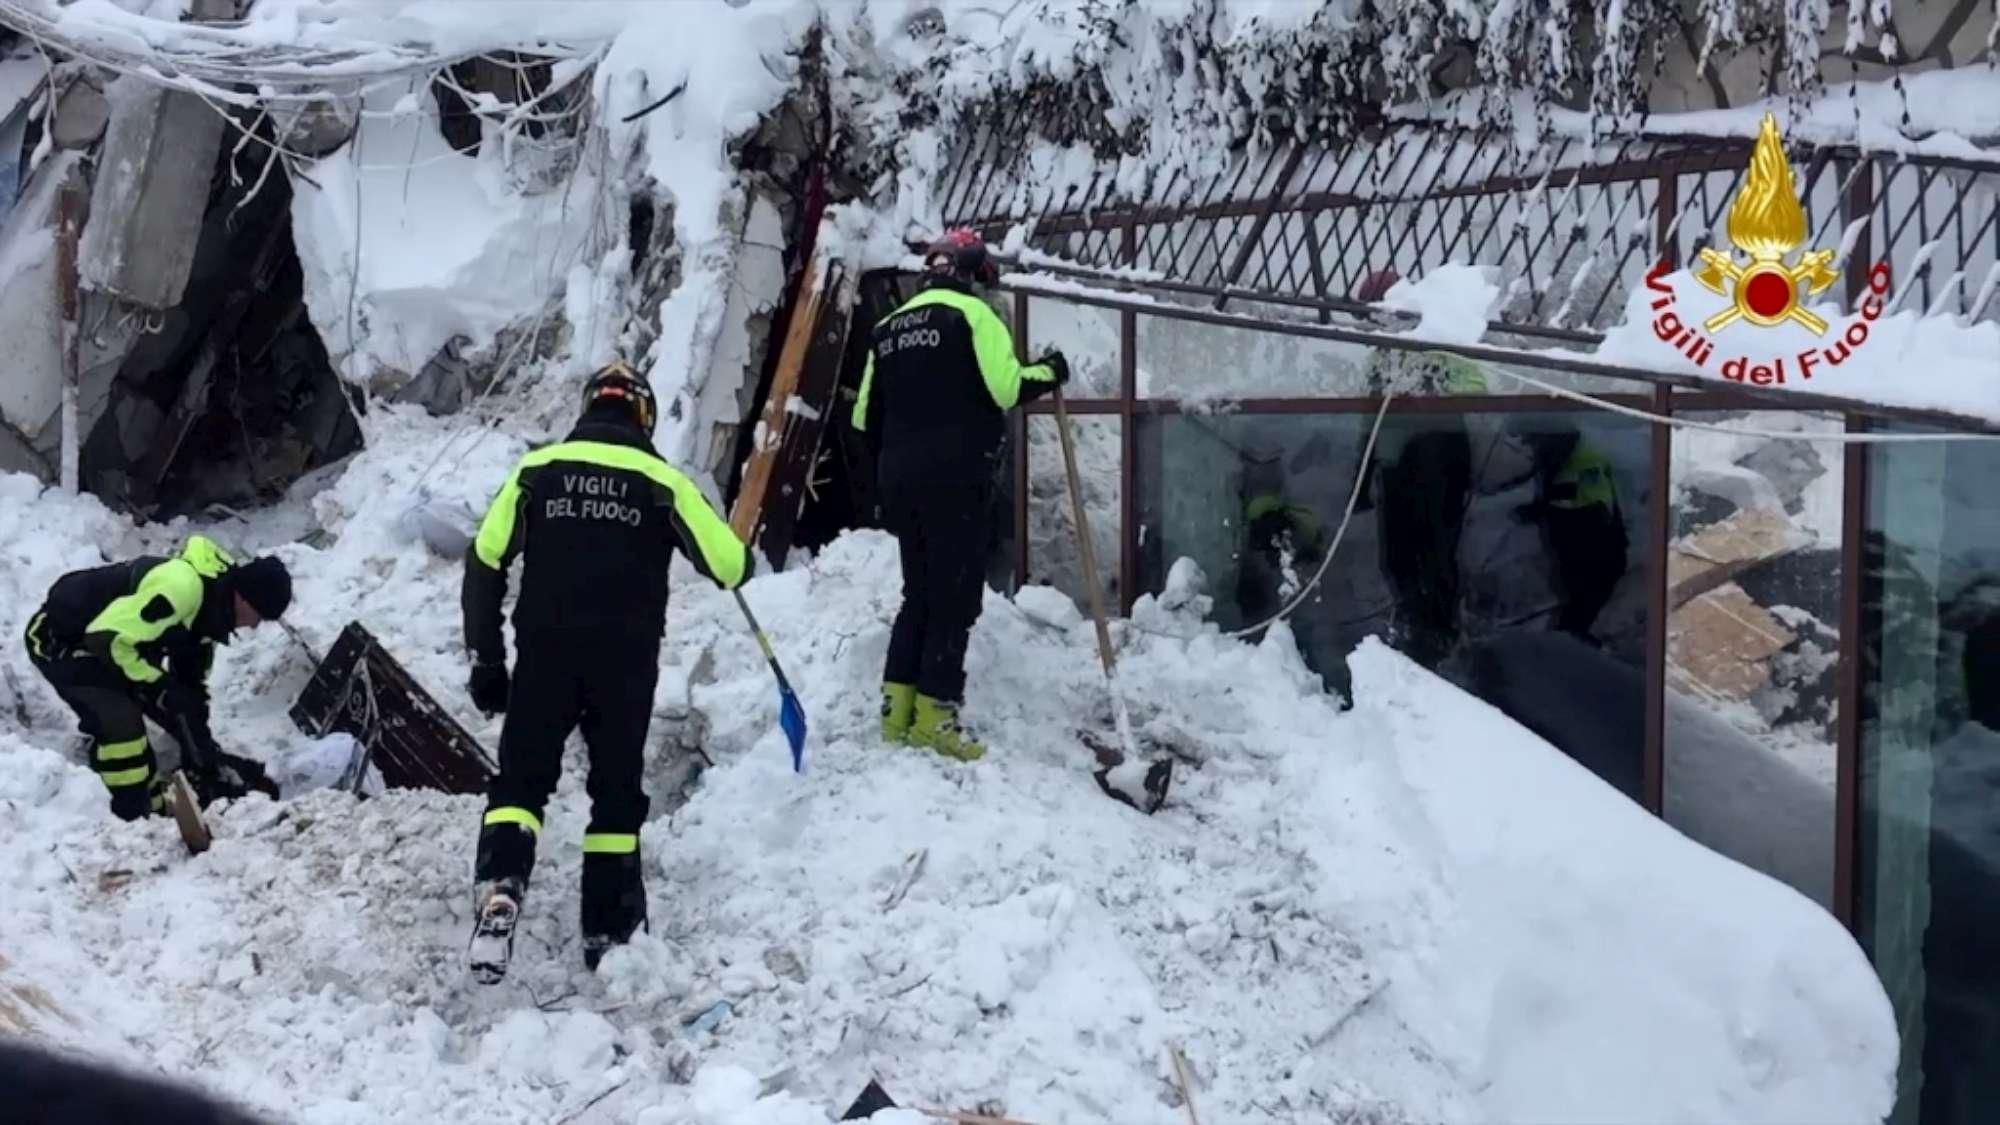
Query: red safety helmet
(615, 382)
(961, 254)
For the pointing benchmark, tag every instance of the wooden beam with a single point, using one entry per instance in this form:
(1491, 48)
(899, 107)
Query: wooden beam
(771, 420)
(807, 418)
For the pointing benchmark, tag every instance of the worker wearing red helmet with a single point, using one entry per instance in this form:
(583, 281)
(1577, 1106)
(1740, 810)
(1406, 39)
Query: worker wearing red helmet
(596, 519)
(940, 377)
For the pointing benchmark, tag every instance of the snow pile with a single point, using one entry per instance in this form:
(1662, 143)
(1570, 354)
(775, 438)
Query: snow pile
(447, 248)
(453, 249)
(1452, 302)
(1411, 911)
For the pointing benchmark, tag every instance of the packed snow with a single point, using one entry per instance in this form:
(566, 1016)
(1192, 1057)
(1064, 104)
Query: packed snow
(1410, 911)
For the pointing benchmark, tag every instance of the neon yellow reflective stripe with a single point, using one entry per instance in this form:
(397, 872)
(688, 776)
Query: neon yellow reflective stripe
(35, 635)
(611, 843)
(1462, 376)
(725, 556)
(992, 344)
(119, 779)
(175, 580)
(1590, 471)
(208, 559)
(116, 751)
(509, 814)
(496, 531)
(860, 415)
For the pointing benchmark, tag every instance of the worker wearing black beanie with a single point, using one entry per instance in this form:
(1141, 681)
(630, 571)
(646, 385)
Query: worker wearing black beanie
(265, 585)
(134, 640)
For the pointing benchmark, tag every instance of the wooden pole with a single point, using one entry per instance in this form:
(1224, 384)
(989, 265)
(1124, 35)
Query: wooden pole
(1095, 590)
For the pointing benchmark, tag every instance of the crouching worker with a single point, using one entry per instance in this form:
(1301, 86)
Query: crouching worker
(941, 376)
(595, 519)
(135, 640)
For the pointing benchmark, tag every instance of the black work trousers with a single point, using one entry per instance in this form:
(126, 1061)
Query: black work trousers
(1589, 548)
(943, 531)
(110, 712)
(602, 682)
(1422, 513)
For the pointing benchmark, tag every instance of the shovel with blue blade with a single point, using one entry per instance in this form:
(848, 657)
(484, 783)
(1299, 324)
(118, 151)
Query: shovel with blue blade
(791, 715)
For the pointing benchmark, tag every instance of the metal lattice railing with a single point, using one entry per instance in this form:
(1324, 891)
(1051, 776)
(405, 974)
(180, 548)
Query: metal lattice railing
(1572, 226)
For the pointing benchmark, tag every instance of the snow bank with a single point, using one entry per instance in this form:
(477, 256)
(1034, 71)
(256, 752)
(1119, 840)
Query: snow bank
(446, 246)
(1413, 910)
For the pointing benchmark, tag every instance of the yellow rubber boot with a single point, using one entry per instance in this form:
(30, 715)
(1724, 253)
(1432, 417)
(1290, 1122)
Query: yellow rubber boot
(899, 702)
(936, 728)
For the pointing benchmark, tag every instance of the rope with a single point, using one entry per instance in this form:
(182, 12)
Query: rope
(1298, 599)
(1361, 477)
(1740, 431)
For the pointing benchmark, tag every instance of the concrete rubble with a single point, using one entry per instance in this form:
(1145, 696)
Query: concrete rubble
(151, 192)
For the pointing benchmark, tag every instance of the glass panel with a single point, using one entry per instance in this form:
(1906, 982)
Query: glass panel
(1053, 555)
(1195, 362)
(1088, 338)
(1497, 549)
(1929, 833)
(1753, 597)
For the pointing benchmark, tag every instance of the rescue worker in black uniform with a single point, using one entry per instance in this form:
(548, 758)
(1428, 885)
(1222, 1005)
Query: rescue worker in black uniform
(940, 377)
(1576, 507)
(134, 640)
(596, 519)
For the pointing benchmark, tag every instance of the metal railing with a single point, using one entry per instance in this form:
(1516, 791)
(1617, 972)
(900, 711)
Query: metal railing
(1572, 226)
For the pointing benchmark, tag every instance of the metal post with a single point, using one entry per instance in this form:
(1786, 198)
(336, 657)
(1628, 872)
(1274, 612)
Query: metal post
(1848, 679)
(70, 204)
(1018, 422)
(1658, 526)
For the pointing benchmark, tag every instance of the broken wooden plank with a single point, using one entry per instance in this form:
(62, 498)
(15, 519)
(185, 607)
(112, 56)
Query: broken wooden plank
(796, 408)
(1721, 644)
(361, 690)
(1723, 552)
(809, 416)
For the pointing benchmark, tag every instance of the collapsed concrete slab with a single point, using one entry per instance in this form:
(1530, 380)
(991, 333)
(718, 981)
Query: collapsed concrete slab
(151, 193)
(31, 323)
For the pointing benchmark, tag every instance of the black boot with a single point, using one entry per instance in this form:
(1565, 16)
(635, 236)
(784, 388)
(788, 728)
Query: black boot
(506, 857)
(498, 908)
(614, 902)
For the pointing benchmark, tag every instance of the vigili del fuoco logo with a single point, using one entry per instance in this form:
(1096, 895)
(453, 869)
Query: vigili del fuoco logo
(1766, 224)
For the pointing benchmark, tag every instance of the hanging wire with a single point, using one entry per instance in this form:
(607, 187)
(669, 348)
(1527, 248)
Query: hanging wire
(1681, 422)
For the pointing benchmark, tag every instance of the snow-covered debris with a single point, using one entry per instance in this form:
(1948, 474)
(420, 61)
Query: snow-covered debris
(1414, 909)
(407, 244)
(1452, 302)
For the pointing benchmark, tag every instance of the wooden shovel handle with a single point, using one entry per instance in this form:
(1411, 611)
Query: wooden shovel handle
(1084, 544)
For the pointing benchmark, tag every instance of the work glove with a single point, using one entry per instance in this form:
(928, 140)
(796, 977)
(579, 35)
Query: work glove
(489, 686)
(1059, 365)
(226, 776)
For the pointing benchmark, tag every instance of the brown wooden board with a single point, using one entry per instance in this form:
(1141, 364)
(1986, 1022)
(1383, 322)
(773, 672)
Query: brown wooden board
(791, 478)
(360, 689)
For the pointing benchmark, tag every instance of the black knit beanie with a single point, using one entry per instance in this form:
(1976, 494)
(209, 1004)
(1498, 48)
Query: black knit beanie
(265, 584)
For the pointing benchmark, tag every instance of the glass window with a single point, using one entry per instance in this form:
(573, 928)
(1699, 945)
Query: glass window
(1753, 612)
(1086, 335)
(1502, 550)
(1054, 557)
(1195, 362)
(1929, 832)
